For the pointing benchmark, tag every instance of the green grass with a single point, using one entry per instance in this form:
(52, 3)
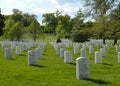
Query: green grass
(52, 71)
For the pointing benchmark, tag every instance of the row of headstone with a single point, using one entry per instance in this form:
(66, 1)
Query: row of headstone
(82, 63)
(66, 55)
(99, 54)
(34, 55)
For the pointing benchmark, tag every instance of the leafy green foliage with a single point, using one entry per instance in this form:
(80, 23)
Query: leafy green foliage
(63, 26)
(80, 31)
(99, 7)
(16, 31)
(79, 36)
(50, 22)
(35, 29)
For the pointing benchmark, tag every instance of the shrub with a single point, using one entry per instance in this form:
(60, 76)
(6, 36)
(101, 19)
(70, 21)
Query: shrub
(79, 36)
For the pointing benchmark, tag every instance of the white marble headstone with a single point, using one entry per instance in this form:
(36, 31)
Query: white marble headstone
(32, 58)
(68, 57)
(62, 52)
(117, 48)
(38, 52)
(18, 50)
(8, 53)
(4, 46)
(90, 49)
(57, 50)
(82, 68)
(98, 57)
(83, 52)
(76, 49)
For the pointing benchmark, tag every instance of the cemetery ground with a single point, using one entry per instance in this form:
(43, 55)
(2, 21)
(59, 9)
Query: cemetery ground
(52, 71)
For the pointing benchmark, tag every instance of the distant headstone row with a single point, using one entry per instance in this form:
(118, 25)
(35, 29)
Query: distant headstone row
(33, 55)
(66, 55)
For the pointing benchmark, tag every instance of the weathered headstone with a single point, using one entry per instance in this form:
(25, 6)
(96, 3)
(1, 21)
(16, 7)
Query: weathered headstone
(13, 45)
(83, 52)
(68, 57)
(38, 52)
(90, 49)
(4, 46)
(32, 58)
(82, 68)
(76, 49)
(106, 48)
(57, 50)
(8, 53)
(103, 52)
(25, 47)
(18, 50)
(98, 57)
(62, 52)
(117, 48)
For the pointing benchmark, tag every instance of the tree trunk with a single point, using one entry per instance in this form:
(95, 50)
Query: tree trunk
(104, 41)
(115, 41)
(35, 38)
(18, 38)
(11, 38)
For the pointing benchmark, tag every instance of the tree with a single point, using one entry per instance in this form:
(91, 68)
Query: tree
(100, 28)
(79, 30)
(63, 27)
(2, 24)
(27, 19)
(114, 23)
(50, 22)
(8, 26)
(79, 36)
(60, 32)
(78, 20)
(35, 29)
(97, 8)
(16, 31)
(100, 10)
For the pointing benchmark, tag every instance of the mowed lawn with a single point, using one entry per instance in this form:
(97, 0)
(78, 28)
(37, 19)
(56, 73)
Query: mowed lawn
(52, 71)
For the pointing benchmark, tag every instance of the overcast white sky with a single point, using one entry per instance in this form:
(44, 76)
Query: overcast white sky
(39, 7)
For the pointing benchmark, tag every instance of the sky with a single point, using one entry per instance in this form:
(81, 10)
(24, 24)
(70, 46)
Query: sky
(39, 7)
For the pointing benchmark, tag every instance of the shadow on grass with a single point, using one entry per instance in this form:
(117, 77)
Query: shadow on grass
(44, 54)
(98, 81)
(107, 64)
(73, 63)
(22, 55)
(38, 65)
